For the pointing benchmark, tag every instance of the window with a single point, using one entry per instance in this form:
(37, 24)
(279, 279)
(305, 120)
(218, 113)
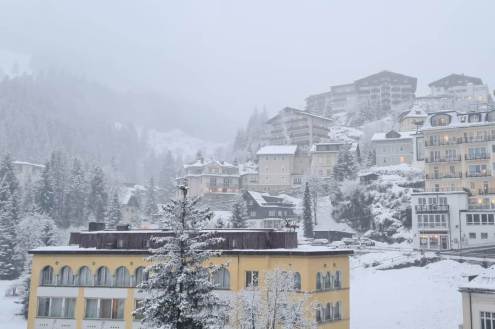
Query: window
(476, 219)
(47, 276)
(469, 219)
(484, 236)
(337, 283)
(318, 313)
(484, 219)
(252, 278)
(337, 312)
(318, 281)
(327, 281)
(66, 278)
(328, 312)
(104, 308)
(472, 235)
(85, 277)
(103, 277)
(122, 278)
(56, 307)
(139, 275)
(487, 320)
(221, 278)
(297, 281)
(490, 219)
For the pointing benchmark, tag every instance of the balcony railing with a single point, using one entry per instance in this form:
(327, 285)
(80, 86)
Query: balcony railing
(443, 176)
(486, 173)
(485, 191)
(461, 140)
(428, 208)
(438, 160)
(433, 225)
(477, 156)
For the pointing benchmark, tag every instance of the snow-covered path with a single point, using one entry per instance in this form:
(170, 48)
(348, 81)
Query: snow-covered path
(9, 309)
(409, 298)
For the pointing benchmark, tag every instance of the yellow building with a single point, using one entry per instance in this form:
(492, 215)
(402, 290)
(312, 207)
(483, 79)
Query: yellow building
(91, 283)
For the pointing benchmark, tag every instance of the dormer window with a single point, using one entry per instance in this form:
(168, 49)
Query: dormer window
(474, 117)
(440, 120)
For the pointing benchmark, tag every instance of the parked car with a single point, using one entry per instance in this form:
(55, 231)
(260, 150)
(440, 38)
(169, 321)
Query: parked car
(351, 241)
(366, 242)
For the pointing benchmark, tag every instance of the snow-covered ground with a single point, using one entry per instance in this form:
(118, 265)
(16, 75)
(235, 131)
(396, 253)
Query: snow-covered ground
(409, 298)
(9, 308)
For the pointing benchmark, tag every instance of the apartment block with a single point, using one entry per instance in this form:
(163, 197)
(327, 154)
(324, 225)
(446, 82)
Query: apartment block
(324, 157)
(320, 104)
(394, 148)
(92, 282)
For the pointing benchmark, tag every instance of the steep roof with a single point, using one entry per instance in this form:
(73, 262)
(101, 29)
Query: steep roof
(454, 80)
(387, 76)
(277, 150)
(293, 110)
(203, 163)
(484, 282)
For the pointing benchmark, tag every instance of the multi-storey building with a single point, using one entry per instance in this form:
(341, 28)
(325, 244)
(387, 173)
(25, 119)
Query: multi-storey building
(211, 176)
(344, 98)
(478, 301)
(324, 157)
(412, 120)
(296, 127)
(459, 198)
(92, 283)
(319, 104)
(394, 148)
(281, 167)
(466, 92)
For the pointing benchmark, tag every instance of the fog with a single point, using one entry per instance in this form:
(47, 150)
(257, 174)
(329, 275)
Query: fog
(225, 58)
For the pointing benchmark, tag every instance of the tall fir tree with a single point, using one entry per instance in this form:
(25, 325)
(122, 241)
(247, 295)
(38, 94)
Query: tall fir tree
(114, 212)
(151, 207)
(346, 165)
(238, 219)
(77, 196)
(44, 196)
(167, 176)
(58, 175)
(307, 218)
(179, 291)
(98, 197)
(10, 263)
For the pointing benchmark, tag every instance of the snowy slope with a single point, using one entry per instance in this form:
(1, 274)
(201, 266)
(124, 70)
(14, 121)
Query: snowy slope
(179, 142)
(9, 309)
(409, 298)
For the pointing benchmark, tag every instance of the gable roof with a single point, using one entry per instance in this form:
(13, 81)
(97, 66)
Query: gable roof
(277, 150)
(387, 76)
(293, 110)
(454, 79)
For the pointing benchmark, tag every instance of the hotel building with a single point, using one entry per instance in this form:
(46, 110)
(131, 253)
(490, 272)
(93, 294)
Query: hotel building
(458, 206)
(92, 282)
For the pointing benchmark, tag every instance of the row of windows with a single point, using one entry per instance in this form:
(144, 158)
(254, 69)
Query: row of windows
(96, 308)
(487, 320)
(85, 278)
(483, 236)
(329, 312)
(432, 220)
(480, 219)
(327, 281)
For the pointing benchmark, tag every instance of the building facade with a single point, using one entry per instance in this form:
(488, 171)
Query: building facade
(295, 127)
(268, 211)
(320, 104)
(92, 283)
(478, 301)
(412, 120)
(324, 157)
(394, 148)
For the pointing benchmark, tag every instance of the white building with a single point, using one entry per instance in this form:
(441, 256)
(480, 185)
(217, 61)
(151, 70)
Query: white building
(478, 301)
(394, 148)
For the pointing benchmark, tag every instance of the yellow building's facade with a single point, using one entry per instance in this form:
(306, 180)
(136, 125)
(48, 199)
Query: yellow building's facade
(107, 301)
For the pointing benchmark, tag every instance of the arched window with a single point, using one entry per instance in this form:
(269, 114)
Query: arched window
(327, 281)
(318, 281)
(297, 281)
(47, 276)
(337, 283)
(66, 277)
(221, 278)
(318, 313)
(103, 277)
(122, 278)
(139, 276)
(440, 120)
(85, 277)
(328, 312)
(337, 311)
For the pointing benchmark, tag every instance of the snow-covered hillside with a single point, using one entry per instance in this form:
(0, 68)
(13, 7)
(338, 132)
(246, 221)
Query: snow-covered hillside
(179, 142)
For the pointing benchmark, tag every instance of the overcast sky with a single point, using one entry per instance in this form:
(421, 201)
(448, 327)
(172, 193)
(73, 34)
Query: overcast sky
(232, 56)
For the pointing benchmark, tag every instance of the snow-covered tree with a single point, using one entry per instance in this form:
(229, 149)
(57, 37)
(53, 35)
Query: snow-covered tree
(57, 170)
(346, 165)
(98, 197)
(151, 205)
(114, 212)
(77, 195)
(9, 259)
(179, 292)
(371, 159)
(44, 197)
(307, 218)
(239, 212)
(276, 303)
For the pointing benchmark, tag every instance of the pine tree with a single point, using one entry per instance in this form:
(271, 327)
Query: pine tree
(58, 175)
(180, 294)
(77, 194)
(371, 159)
(238, 219)
(307, 218)
(346, 166)
(9, 259)
(114, 212)
(98, 197)
(7, 174)
(151, 205)
(44, 197)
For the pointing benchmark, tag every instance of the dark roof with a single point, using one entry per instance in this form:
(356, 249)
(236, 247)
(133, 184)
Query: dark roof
(387, 76)
(456, 80)
(392, 134)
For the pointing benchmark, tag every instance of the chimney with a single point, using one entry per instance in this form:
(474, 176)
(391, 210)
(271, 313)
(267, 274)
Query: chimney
(96, 226)
(124, 227)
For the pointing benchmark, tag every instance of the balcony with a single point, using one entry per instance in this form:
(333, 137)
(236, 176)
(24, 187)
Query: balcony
(461, 140)
(440, 160)
(444, 176)
(432, 225)
(485, 173)
(431, 208)
(477, 157)
(486, 191)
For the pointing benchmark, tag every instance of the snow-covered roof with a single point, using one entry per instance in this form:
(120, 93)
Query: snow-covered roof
(415, 112)
(24, 163)
(460, 120)
(261, 199)
(203, 163)
(484, 281)
(277, 150)
(377, 137)
(248, 168)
